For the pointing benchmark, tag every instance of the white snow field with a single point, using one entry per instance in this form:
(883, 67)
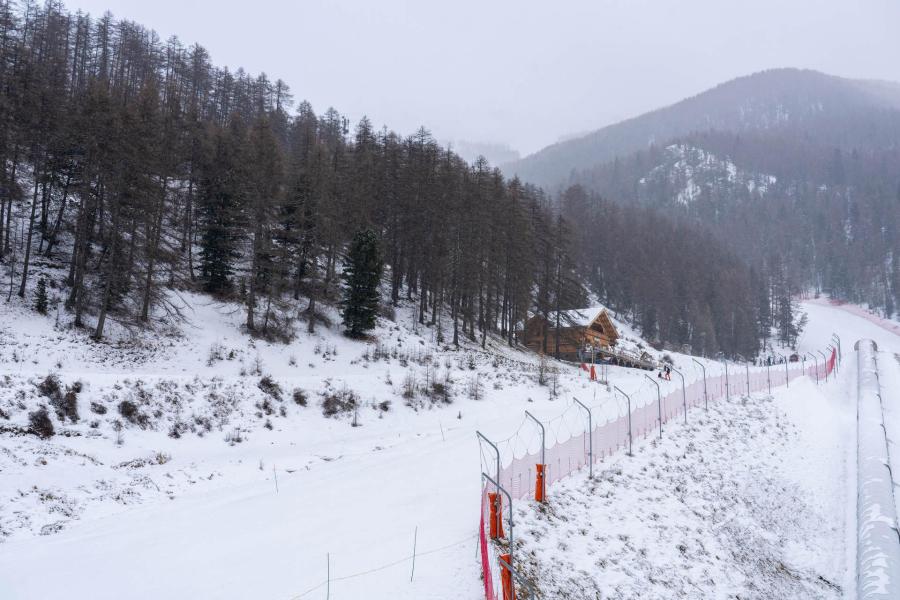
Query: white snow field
(100, 512)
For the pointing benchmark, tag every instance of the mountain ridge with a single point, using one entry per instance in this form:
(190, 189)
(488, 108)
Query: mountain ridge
(774, 99)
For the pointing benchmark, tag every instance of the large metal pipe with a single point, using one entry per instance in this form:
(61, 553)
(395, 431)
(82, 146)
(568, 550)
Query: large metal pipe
(878, 542)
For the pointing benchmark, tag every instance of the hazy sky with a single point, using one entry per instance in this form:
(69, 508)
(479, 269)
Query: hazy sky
(521, 72)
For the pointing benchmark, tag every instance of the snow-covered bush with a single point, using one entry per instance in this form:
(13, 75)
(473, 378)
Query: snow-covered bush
(40, 423)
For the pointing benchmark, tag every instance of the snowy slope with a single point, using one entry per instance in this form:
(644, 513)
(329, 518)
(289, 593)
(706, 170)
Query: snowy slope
(201, 515)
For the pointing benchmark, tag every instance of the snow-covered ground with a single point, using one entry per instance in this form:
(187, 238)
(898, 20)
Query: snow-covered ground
(745, 501)
(183, 502)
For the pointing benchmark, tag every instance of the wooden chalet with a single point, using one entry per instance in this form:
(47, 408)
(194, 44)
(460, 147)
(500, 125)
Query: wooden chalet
(578, 330)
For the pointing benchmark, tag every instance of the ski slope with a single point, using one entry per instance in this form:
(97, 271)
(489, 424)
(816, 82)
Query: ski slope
(209, 519)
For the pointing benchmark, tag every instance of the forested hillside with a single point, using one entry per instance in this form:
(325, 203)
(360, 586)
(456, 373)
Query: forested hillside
(131, 167)
(817, 217)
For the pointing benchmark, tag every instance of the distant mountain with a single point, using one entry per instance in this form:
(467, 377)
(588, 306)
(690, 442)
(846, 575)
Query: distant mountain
(796, 172)
(826, 109)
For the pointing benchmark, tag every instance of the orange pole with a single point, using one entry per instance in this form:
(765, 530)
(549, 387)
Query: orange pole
(496, 524)
(509, 592)
(539, 484)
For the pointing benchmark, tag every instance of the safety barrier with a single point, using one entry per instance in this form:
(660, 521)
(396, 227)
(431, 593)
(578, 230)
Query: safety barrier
(517, 475)
(878, 544)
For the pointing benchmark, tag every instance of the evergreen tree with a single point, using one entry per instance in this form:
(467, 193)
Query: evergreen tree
(362, 274)
(40, 301)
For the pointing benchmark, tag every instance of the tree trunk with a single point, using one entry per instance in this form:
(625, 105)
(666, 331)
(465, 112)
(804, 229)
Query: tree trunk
(28, 240)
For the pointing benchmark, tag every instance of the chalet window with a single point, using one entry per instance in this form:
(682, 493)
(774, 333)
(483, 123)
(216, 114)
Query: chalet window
(598, 328)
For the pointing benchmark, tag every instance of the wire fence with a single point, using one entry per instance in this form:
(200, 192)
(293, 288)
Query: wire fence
(567, 443)
(329, 582)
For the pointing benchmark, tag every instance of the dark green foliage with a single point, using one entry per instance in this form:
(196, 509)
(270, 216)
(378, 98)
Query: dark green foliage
(219, 202)
(40, 298)
(362, 276)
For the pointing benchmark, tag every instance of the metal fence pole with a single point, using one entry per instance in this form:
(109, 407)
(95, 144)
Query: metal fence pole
(630, 438)
(825, 363)
(683, 392)
(705, 395)
(590, 439)
(543, 453)
(501, 489)
(769, 375)
(833, 349)
(496, 450)
(837, 339)
(658, 402)
(816, 364)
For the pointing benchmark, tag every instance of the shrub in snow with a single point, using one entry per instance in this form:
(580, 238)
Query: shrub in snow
(67, 406)
(40, 423)
(98, 408)
(270, 387)
(299, 397)
(339, 402)
(50, 387)
(441, 390)
(132, 414)
(474, 387)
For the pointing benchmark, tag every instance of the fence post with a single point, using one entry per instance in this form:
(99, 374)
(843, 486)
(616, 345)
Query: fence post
(540, 491)
(683, 392)
(787, 381)
(833, 349)
(590, 439)
(658, 402)
(837, 339)
(496, 450)
(825, 363)
(727, 381)
(415, 539)
(816, 365)
(747, 367)
(705, 395)
(521, 580)
(630, 438)
(509, 502)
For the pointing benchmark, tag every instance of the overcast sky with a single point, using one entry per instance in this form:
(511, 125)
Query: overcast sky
(521, 72)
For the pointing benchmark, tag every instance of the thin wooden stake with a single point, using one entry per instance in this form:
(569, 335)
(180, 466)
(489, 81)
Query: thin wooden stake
(415, 537)
(275, 473)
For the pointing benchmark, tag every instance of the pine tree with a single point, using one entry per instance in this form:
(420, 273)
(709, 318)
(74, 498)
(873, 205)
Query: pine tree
(362, 274)
(40, 301)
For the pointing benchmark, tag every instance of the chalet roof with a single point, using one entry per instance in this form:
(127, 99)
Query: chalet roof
(578, 317)
(581, 316)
